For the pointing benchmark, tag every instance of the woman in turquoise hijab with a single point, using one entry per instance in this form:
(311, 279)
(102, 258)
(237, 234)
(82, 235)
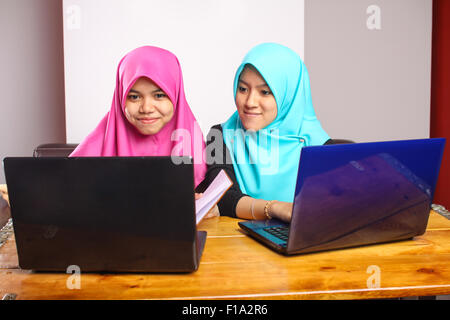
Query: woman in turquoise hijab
(263, 138)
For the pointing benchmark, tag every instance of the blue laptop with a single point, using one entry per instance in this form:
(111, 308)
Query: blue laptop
(358, 194)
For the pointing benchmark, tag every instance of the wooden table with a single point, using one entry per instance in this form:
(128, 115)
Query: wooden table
(234, 266)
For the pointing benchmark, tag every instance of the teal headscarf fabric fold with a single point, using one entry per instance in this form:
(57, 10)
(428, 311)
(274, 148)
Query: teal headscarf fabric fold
(266, 162)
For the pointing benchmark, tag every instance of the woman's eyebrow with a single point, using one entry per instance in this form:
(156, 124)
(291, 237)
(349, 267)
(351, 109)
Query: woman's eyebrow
(258, 86)
(154, 91)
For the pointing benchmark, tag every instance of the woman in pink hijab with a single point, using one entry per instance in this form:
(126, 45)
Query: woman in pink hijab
(149, 115)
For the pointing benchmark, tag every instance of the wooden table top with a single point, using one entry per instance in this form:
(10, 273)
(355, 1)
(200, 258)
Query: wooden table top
(234, 266)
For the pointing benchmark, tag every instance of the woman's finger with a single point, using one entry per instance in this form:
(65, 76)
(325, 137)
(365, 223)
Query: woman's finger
(198, 195)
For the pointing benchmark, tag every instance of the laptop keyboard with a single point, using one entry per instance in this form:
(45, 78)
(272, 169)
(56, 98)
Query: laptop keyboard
(279, 232)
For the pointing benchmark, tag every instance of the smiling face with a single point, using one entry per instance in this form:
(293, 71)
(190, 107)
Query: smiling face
(147, 107)
(255, 101)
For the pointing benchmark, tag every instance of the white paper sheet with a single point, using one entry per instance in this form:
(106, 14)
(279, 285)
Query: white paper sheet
(212, 195)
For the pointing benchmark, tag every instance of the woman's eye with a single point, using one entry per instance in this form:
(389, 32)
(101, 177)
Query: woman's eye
(266, 92)
(133, 97)
(242, 89)
(160, 95)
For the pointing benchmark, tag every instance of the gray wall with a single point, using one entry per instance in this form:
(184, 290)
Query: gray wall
(32, 76)
(370, 84)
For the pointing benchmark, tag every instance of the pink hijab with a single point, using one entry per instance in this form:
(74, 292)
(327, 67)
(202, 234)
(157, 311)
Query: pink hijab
(116, 136)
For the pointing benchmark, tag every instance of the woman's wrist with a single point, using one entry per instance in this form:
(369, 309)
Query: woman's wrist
(258, 209)
(268, 211)
(273, 209)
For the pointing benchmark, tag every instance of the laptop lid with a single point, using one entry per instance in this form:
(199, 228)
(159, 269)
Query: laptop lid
(356, 194)
(364, 193)
(121, 214)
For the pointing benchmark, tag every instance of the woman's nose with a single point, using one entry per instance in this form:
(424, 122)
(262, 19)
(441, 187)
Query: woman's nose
(147, 106)
(251, 101)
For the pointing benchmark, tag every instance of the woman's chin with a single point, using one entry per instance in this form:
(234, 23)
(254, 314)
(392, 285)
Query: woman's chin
(147, 131)
(250, 125)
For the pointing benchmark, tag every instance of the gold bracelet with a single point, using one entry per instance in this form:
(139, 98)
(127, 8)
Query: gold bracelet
(266, 208)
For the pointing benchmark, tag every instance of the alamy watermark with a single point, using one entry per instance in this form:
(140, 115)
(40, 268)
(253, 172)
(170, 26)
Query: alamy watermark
(374, 281)
(74, 280)
(373, 21)
(73, 20)
(261, 148)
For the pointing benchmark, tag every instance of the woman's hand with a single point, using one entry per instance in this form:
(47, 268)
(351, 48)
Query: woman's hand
(4, 192)
(198, 195)
(213, 212)
(281, 210)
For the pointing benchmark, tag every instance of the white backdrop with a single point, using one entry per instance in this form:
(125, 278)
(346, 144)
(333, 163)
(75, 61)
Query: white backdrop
(209, 37)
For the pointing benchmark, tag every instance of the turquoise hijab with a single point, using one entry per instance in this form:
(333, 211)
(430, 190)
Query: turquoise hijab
(266, 162)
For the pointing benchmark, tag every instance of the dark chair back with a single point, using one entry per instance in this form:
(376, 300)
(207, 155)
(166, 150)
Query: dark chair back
(54, 150)
(339, 141)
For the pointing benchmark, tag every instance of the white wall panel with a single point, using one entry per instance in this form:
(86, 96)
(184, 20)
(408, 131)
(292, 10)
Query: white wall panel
(209, 37)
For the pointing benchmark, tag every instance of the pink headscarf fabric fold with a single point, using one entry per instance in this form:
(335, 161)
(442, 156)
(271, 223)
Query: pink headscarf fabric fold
(116, 136)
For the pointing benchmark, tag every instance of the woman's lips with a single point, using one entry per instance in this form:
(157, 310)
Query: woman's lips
(148, 120)
(251, 114)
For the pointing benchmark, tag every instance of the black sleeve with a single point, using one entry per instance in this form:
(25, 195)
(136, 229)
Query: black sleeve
(215, 144)
(218, 158)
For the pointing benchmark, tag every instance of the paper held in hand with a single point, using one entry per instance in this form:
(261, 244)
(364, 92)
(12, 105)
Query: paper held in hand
(212, 195)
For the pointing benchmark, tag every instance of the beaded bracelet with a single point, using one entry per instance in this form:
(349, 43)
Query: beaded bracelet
(266, 208)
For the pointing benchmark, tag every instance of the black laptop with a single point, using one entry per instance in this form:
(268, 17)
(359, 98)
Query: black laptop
(356, 194)
(104, 214)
